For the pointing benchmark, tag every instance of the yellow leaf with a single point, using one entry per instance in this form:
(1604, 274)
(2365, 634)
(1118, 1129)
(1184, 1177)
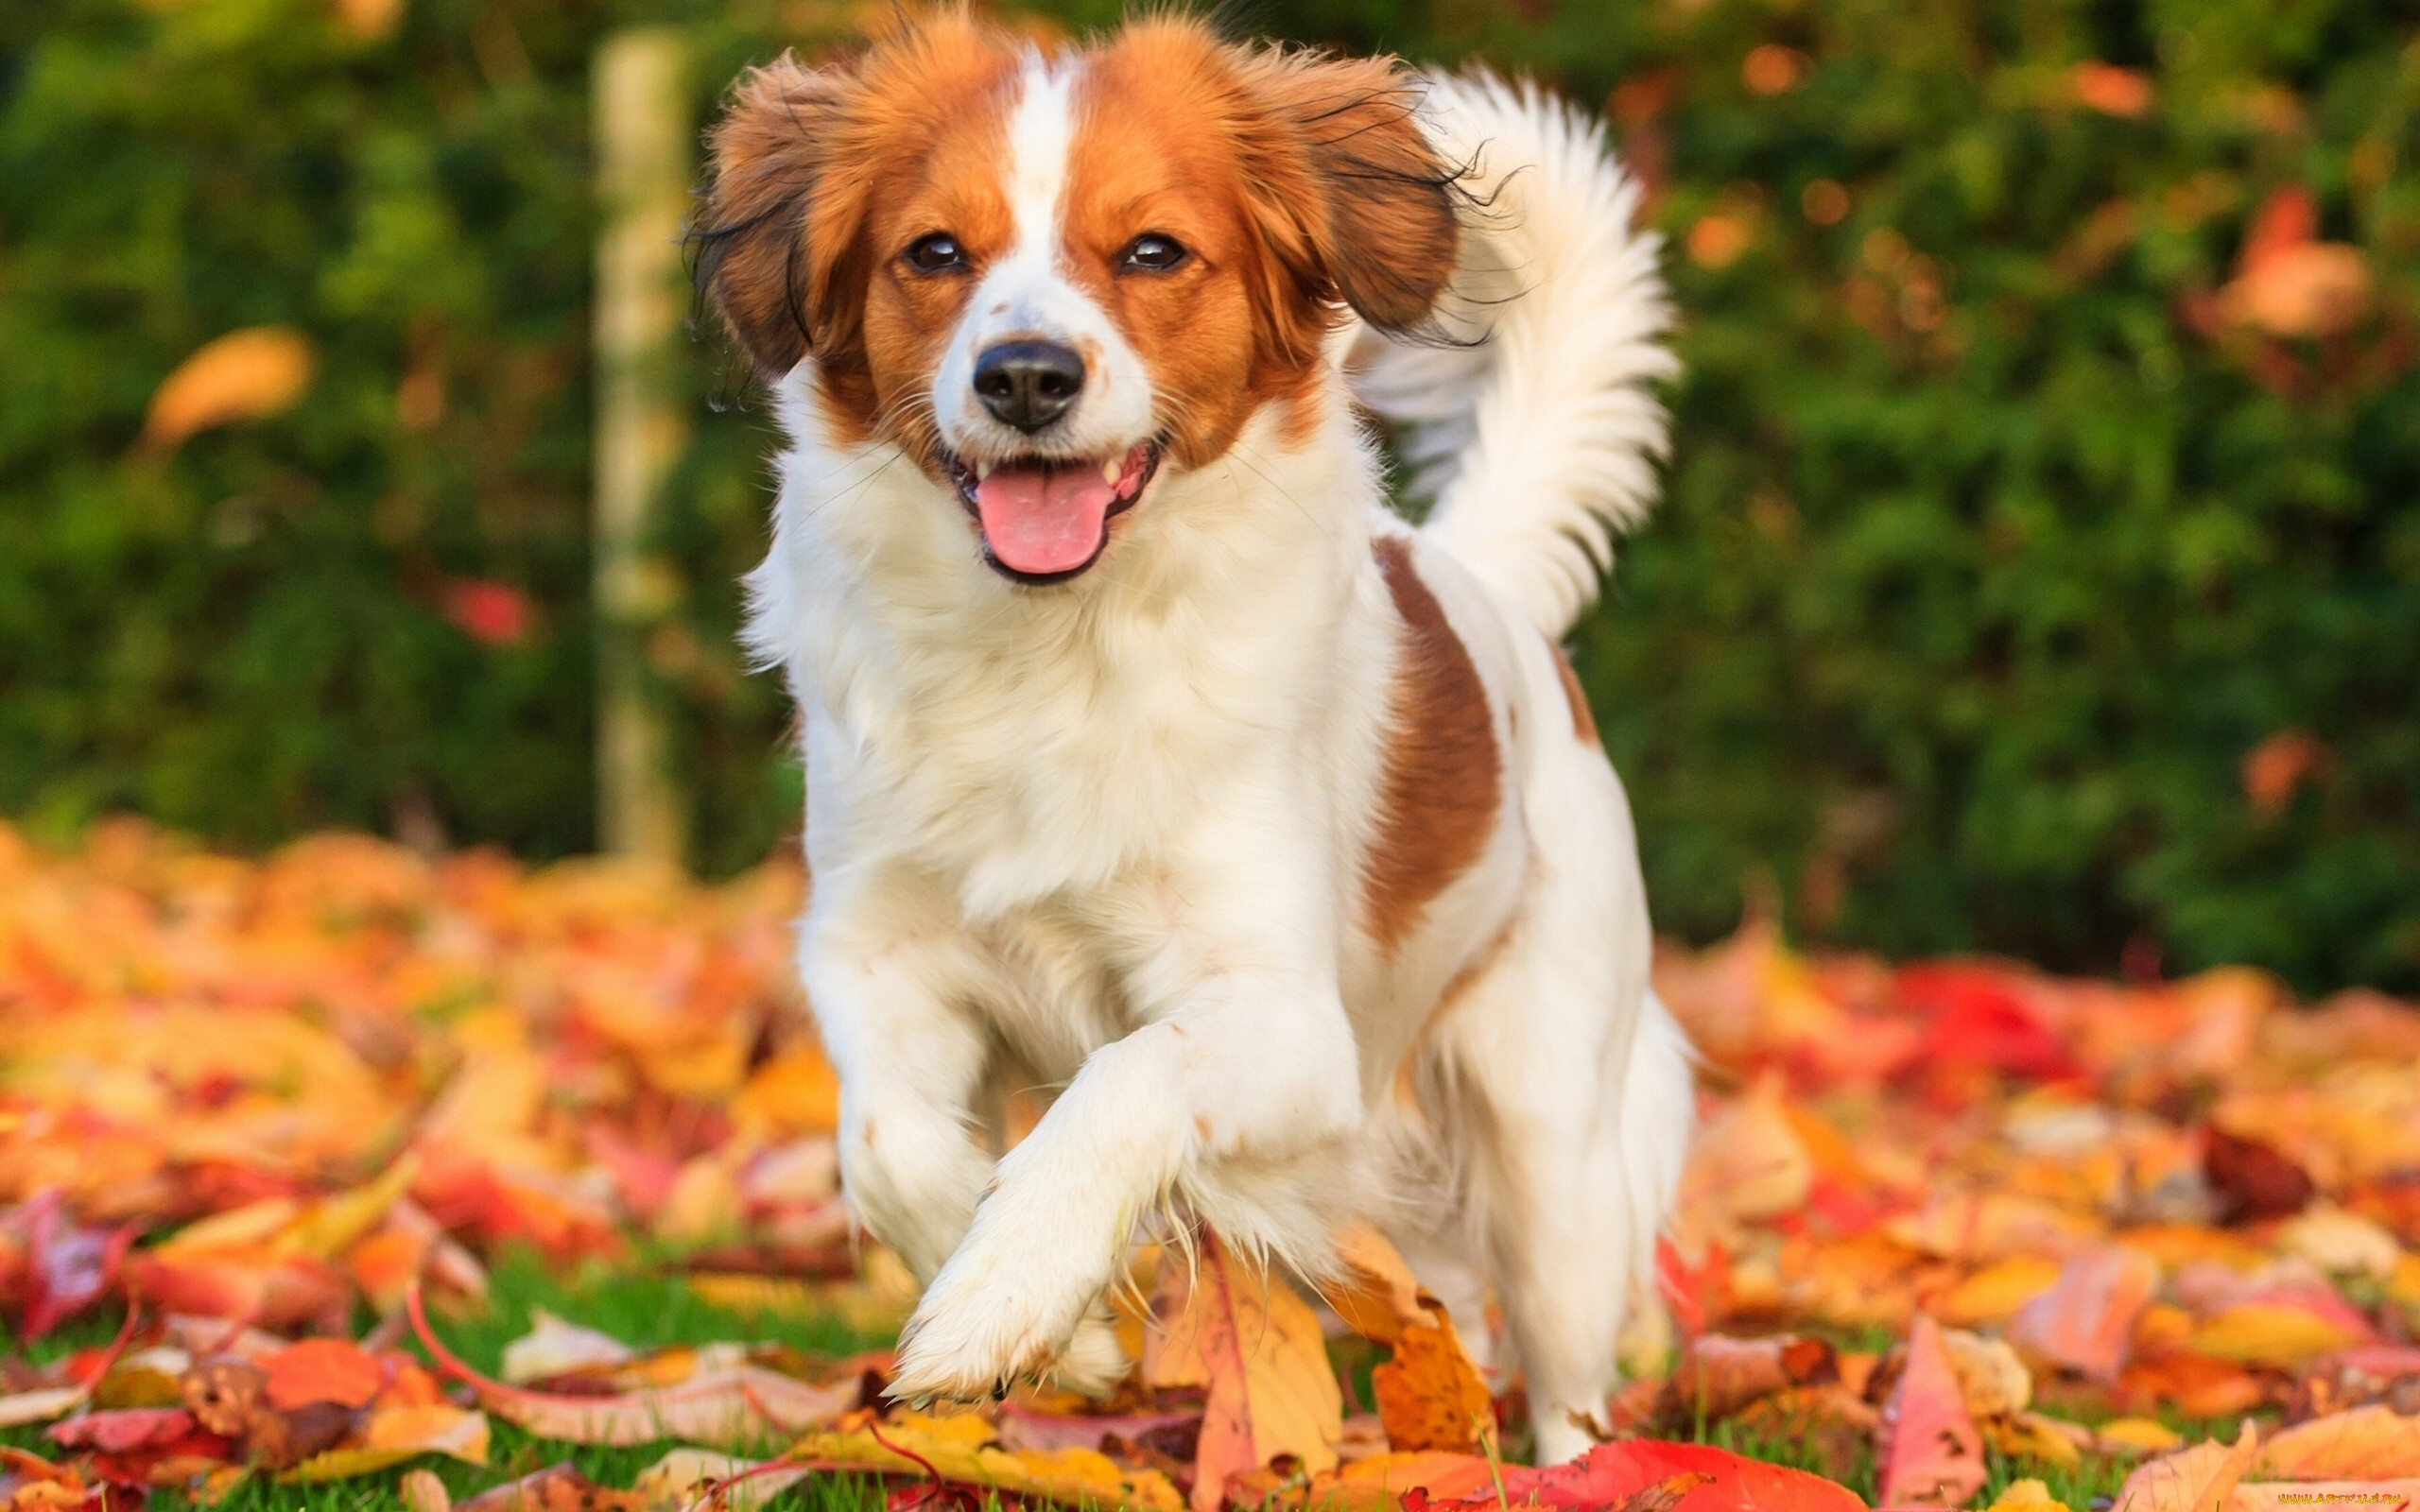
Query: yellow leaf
(797, 1091)
(2028, 1496)
(1259, 1350)
(878, 1302)
(393, 1434)
(2031, 1435)
(2140, 1434)
(2268, 1333)
(246, 374)
(236, 1228)
(966, 1450)
(2199, 1478)
(1994, 1292)
(330, 1226)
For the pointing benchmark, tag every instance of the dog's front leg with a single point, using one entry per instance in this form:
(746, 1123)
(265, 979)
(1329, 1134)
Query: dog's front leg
(1250, 1066)
(889, 974)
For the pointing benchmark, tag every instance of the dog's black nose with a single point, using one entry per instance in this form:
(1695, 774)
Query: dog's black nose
(1028, 384)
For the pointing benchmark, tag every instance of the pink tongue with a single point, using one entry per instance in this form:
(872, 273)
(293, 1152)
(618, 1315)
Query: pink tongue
(1044, 520)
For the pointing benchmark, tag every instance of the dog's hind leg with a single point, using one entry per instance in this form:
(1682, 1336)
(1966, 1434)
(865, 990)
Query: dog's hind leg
(1572, 1085)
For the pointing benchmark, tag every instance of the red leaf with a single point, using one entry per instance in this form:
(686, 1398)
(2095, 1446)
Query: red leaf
(68, 1267)
(1612, 1473)
(2287, 219)
(1977, 1019)
(488, 611)
(1696, 1293)
(1931, 1454)
(117, 1432)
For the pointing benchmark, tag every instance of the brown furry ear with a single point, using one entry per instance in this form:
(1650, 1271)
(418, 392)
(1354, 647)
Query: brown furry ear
(1379, 231)
(777, 236)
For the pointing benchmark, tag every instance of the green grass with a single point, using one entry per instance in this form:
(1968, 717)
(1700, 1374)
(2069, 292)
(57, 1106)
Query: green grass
(644, 1308)
(651, 1305)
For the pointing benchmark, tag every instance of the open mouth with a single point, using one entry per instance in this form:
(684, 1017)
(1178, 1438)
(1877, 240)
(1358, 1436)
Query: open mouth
(1046, 519)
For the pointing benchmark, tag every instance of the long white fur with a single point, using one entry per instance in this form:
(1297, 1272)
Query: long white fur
(1538, 444)
(1109, 836)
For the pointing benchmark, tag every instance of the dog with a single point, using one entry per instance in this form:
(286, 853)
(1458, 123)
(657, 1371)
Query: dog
(1151, 757)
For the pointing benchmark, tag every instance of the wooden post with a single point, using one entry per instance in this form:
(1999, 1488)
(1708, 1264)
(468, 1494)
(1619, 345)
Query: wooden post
(642, 175)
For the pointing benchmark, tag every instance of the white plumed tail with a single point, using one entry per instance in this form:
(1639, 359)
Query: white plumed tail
(1537, 442)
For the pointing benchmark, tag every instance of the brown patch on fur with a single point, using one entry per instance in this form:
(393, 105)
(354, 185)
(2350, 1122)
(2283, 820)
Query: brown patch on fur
(1296, 183)
(821, 179)
(1439, 790)
(1584, 719)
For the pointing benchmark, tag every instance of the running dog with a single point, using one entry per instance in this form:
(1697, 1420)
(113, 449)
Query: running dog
(1150, 756)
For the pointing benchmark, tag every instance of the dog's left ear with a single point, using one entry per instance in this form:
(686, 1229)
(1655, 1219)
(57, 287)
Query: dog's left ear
(1352, 196)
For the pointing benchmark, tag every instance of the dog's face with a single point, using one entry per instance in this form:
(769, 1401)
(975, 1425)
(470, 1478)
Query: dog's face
(1044, 279)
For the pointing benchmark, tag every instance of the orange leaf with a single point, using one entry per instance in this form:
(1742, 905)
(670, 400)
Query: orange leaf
(2310, 290)
(246, 374)
(2195, 1384)
(2287, 219)
(2275, 767)
(1717, 1375)
(2190, 1479)
(1750, 1162)
(334, 1370)
(1444, 1477)
(1260, 1354)
(1429, 1395)
(2372, 1442)
(1376, 1295)
(1931, 1454)
(2111, 90)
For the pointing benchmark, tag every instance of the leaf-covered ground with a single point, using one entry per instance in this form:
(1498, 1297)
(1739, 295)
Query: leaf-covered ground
(350, 1178)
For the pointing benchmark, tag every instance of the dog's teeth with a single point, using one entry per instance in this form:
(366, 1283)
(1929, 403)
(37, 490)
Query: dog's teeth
(982, 470)
(1110, 470)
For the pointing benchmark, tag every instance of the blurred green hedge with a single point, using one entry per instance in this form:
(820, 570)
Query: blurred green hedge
(2017, 589)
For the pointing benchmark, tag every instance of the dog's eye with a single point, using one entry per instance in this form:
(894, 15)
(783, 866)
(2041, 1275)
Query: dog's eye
(936, 254)
(1153, 253)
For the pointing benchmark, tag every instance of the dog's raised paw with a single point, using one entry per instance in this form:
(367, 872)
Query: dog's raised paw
(1094, 1361)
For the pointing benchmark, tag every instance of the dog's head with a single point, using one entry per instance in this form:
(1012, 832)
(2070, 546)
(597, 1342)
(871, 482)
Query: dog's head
(1043, 277)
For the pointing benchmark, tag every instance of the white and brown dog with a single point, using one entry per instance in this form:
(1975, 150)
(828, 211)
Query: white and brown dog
(1150, 757)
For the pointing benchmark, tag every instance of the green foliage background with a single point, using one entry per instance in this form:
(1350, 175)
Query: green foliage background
(1988, 557)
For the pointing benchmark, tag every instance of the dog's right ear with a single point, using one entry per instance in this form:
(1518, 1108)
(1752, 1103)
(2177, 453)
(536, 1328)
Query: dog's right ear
(779, 234)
